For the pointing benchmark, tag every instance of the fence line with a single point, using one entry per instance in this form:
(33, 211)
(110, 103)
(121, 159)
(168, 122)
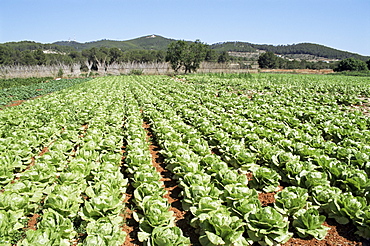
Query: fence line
(114, 69)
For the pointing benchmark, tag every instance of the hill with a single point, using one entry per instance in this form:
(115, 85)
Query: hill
(31, 45)
(307, 51)
(151, 42)
(301, 50)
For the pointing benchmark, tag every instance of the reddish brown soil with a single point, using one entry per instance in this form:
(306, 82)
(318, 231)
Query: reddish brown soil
(14, 103)
(43, 151)
(364, 108)
(32, 221)
(249, 176)
(131, 227)
(266, 199)
(173, 191)
(338, 235)
(32, 163)
(19, 102)
(299, 71)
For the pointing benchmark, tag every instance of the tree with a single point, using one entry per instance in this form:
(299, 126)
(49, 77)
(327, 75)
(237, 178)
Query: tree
(40, 57)
(368, 64)
(27, 58)
(223, 57)
(160, 56)
(96, 58)
(268, 60)
(175, 55)
(77, 57)
(186, 55)
(351, 64)
(16, 57)
(5, 55)
(211, 55)
(115, 55)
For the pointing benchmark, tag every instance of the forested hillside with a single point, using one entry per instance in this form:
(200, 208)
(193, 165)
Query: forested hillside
(152, 48)
(316, 50)
(309, 48)
(152, 42)
(31, 45)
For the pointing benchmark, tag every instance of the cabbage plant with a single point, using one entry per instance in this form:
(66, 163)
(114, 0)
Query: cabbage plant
(265, 179)
(290, 200)
(310, 223)
(268, 227)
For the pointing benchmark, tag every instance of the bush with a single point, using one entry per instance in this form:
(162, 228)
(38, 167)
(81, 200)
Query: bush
(136, 72)
(60, 73)
(351, 64)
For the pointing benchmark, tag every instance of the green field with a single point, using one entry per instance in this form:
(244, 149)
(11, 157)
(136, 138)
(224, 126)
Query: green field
(76, 166)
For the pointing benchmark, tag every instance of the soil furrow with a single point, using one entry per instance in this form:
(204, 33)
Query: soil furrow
(33, 219)
(171, 186)
(130, 226)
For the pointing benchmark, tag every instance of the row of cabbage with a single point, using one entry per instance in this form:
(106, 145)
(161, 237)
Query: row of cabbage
(156, 221)
(75, 189)
(342, 152)
(226, 210)
(276, 151)
(212, 133)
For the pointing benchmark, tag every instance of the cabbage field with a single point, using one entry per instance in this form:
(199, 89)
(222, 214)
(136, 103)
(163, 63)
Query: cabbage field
(212, 159)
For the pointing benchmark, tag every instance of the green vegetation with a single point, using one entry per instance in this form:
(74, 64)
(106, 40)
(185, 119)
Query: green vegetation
(271, 61)
(24, 89)
(31, 45)
(187, 56)
(351, 64)
(302, 48)
(151, 42)
(308, 48)
(233, 46)
(353, 73)
(268, 60)
(136, 72)
(15, 82)
(96, 56)
(62, 159)
(153, 49)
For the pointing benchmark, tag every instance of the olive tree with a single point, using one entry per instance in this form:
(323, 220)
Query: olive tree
(186, 55)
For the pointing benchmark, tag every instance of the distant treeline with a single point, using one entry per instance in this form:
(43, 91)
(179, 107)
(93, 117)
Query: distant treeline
(270, 60)
(31, 45)
(302, 48)
(11, 56)
(312, 49)
(24, 55)
(31, 53)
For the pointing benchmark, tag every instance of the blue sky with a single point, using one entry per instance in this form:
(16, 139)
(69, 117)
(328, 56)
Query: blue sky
(340, 24)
